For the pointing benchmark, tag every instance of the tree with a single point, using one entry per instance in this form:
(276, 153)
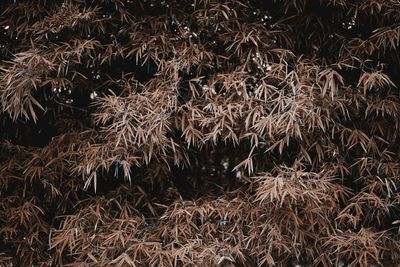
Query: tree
(199, 133)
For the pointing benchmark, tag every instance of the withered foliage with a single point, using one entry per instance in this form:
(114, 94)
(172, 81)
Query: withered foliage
(199, 133)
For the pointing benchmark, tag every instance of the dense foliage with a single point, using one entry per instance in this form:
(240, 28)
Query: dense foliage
(199, 133)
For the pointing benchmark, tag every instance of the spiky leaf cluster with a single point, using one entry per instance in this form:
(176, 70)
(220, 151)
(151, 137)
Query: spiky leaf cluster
(199, 133)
